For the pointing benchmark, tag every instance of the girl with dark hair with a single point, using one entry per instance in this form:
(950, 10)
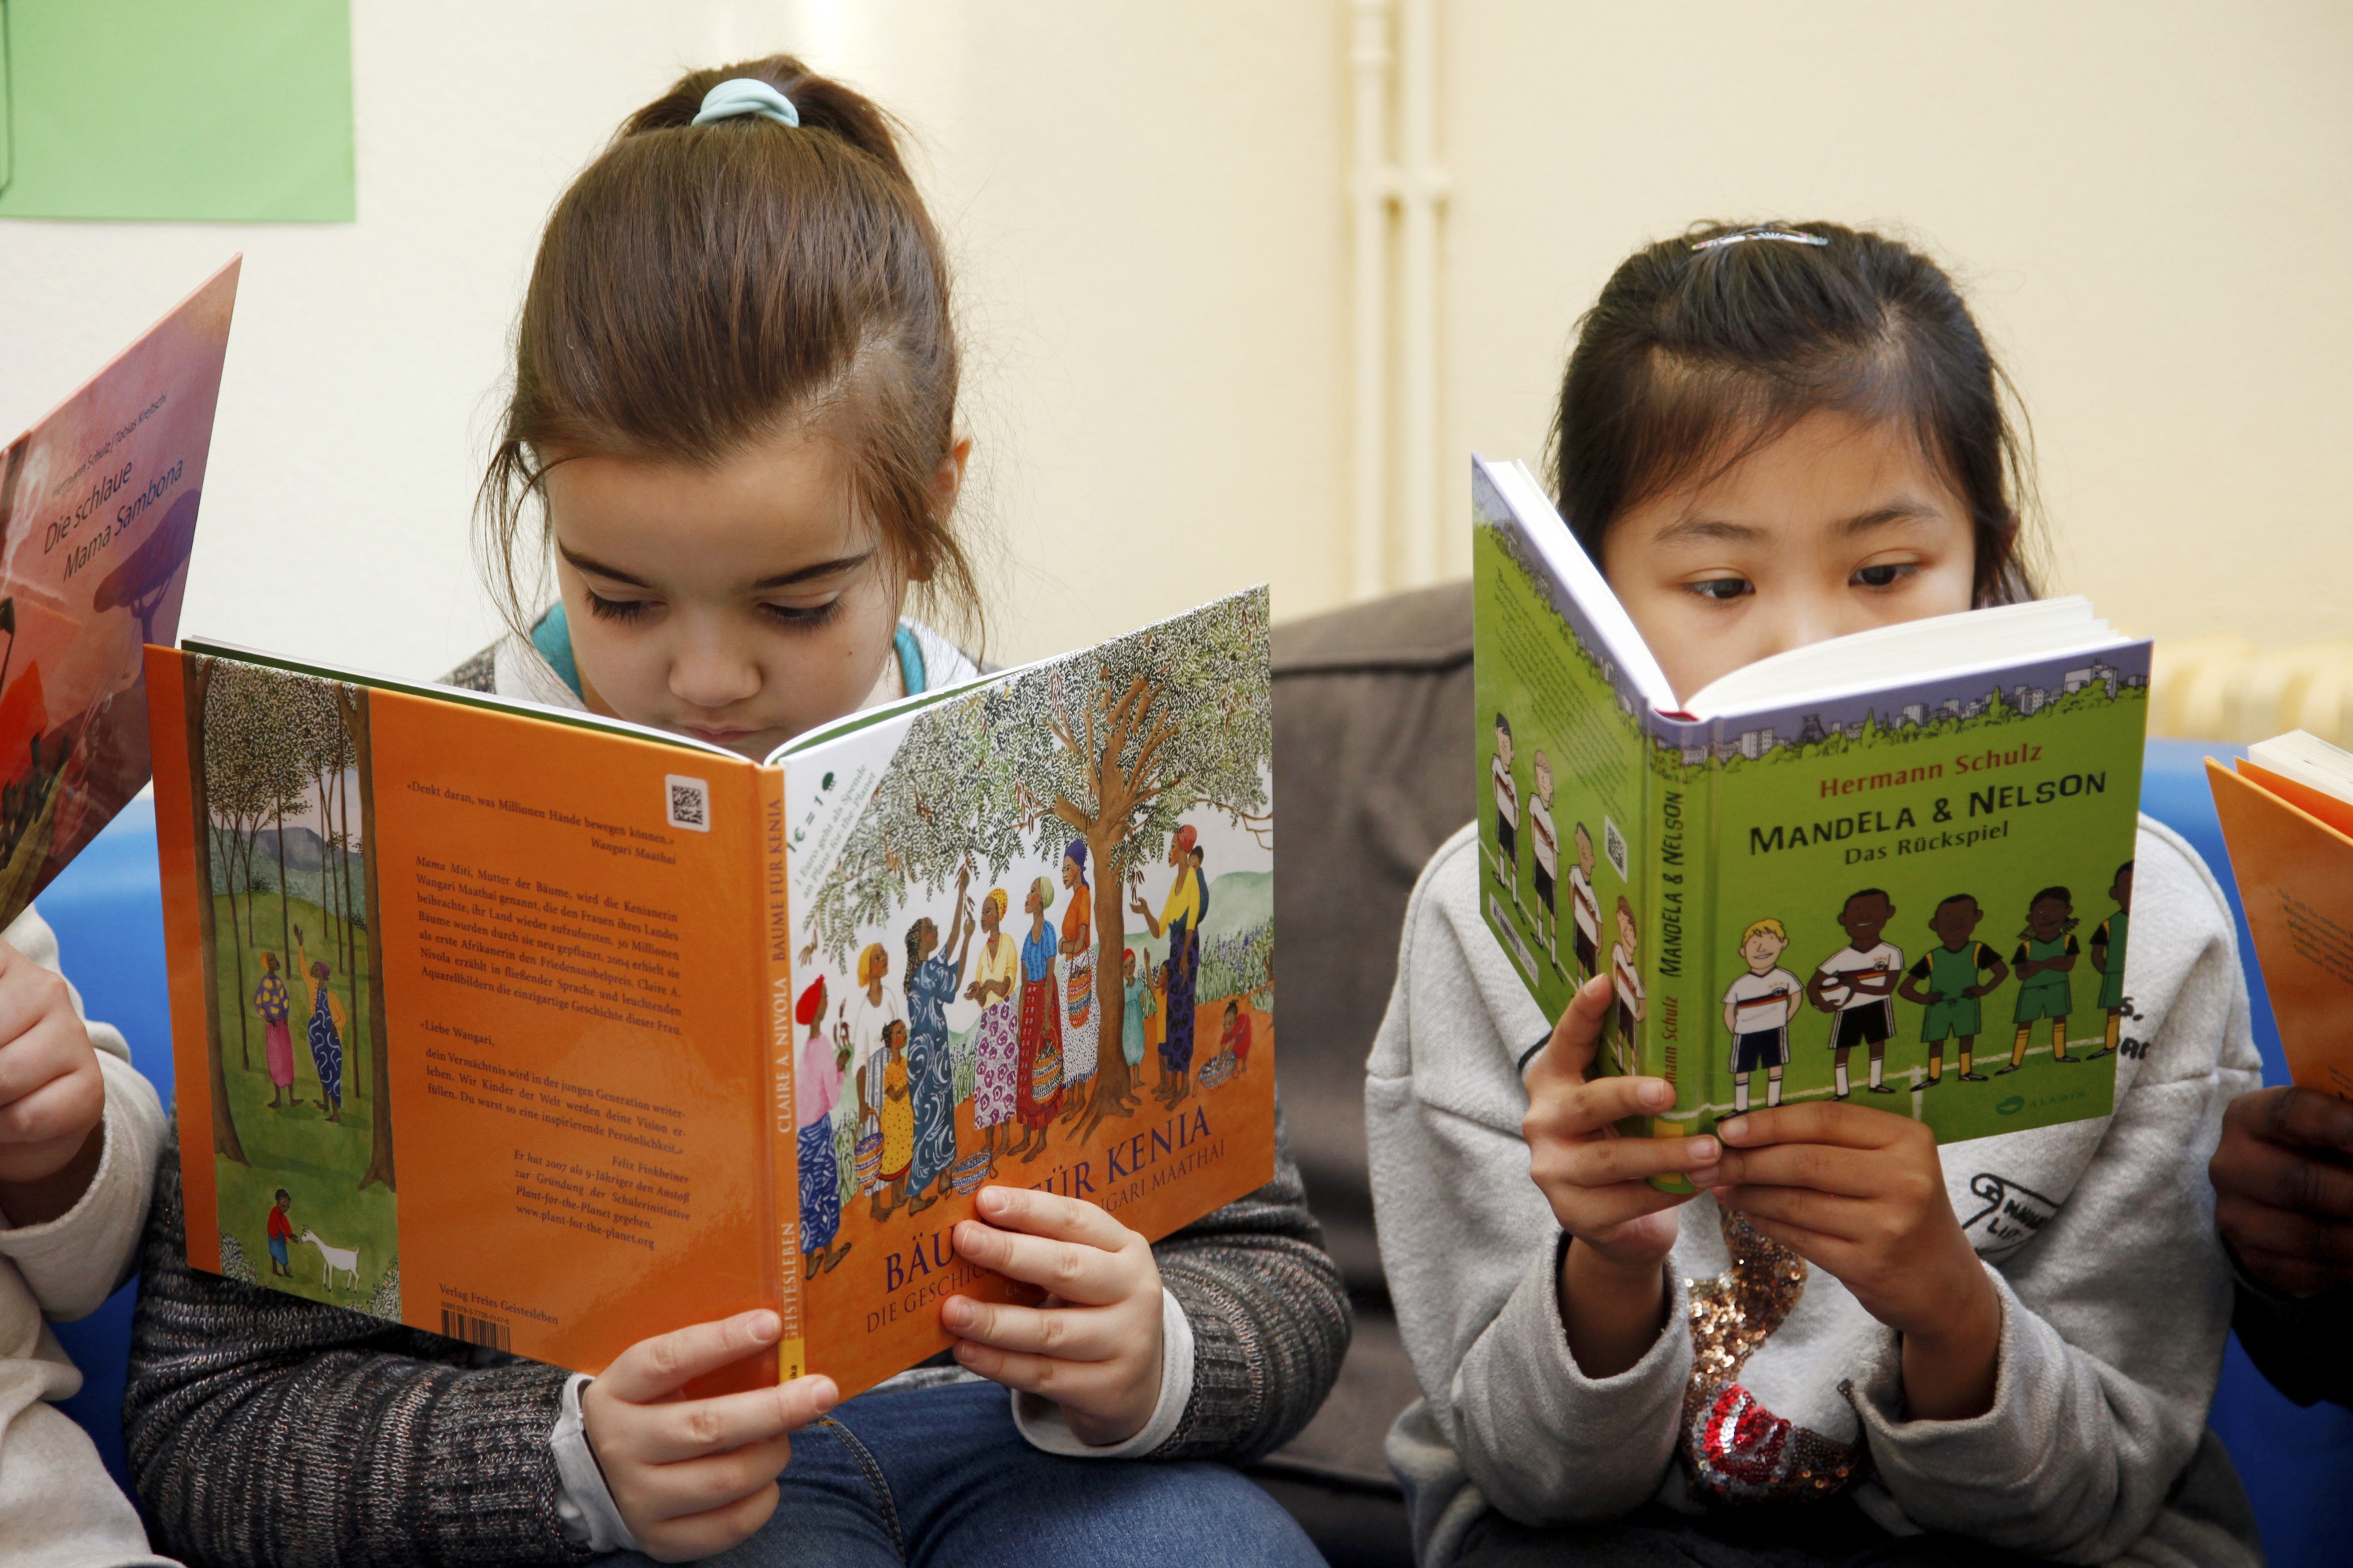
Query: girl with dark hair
(1847, 1347)
(732, 433)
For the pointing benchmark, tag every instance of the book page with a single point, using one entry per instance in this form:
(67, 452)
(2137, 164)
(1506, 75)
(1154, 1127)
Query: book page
(1033, 944)
(98, 511)
(2294, 870)
(468, 1005)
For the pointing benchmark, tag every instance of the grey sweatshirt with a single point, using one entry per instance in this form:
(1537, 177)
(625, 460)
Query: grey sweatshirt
(1770, 1383)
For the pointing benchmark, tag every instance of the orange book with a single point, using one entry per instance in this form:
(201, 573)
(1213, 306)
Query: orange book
(2292, 853)
(550, 1033)
(98, 509)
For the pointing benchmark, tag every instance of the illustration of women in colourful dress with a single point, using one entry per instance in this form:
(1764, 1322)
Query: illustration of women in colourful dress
(1038, 1077)
(269, 1000)
(896, 1110)
(996, 1041)
(326, 1036)
(931, 982)
(873, 1008)
(1081, 1022)
(815, 1089)
(1180, 918)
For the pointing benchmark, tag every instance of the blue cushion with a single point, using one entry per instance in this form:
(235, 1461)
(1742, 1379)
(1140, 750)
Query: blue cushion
(110, 927)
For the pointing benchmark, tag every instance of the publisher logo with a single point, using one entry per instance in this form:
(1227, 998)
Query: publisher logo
(689, 802)
(2011, 1105)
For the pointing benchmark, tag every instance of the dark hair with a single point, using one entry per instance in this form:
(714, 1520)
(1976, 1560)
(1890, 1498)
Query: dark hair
(1943, 904)
(284, 1196)
(2061, 894)
(1696, 355)
(1879, 893)
(698, 287)
(915, 945)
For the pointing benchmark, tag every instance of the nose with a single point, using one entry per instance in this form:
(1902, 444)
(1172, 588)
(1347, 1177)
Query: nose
(707, 670)
(1805, 618)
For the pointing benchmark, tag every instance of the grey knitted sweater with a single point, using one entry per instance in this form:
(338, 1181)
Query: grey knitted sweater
(275, 1432)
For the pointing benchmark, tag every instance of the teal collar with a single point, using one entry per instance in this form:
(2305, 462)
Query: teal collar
(553, 638)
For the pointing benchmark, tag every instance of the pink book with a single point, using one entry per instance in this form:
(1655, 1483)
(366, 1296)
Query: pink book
(98, 509)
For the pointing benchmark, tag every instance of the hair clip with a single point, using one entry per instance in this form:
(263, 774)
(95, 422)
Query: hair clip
(742, 95)
(1792, 235)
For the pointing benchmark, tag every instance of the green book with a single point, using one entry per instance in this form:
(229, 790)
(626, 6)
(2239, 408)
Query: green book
(1893, 868)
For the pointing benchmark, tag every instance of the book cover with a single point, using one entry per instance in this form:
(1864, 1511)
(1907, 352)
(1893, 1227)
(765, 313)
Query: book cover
(537, 1031)
(1862, 877)
(98, 511)
(2292, 855)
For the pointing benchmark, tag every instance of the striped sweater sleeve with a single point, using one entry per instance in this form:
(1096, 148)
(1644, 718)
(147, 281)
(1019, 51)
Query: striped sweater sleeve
(266, 1431)
(1268, 1314)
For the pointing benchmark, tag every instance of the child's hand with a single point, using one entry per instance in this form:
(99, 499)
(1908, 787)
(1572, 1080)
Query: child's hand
(2283, 1187)
(1612, 1288)
(1859, 1195)
(694, 1476)
(52, 1096)
(1094, 1347)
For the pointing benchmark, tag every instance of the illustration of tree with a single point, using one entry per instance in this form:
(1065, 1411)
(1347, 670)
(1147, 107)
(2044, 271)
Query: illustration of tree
(352, 705)
(194, 691)
(1111, 747)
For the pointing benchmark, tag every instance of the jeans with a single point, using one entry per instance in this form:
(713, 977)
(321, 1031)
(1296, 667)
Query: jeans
(941, 1475)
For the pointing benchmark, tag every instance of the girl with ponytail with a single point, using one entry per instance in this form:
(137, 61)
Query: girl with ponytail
(733, 444)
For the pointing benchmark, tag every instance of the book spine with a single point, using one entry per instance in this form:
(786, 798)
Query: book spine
(1673, 1027)
(784, 1138)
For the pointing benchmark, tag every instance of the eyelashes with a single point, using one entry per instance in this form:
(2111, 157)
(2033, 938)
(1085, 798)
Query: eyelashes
(803, 617)
(620, 610)
(624, 612)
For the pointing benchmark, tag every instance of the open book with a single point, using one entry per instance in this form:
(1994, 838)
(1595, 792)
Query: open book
(551, 1032)
(1894, 867)
(2287, 816)
(98, 509)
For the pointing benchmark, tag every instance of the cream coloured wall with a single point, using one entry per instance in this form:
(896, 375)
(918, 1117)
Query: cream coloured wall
(1147, 202)
(2145, 201)
(1141, 201)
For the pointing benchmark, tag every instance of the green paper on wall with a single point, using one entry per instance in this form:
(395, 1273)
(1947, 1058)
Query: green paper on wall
(227, 111)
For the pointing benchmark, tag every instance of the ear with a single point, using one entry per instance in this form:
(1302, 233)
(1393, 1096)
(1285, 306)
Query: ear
(947, 484)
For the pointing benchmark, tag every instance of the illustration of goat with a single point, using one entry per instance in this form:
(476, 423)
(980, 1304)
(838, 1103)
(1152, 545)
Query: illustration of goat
(336, 1259)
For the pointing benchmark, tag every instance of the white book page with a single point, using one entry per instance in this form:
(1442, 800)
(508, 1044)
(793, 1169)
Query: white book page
(2309, 761)
(1886, 657)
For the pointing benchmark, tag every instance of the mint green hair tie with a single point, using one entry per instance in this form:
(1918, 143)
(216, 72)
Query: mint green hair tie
(742, 95)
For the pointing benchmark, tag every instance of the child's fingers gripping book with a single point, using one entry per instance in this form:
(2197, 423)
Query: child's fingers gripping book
(599, 1032)
(1894, 868)
(98, 511)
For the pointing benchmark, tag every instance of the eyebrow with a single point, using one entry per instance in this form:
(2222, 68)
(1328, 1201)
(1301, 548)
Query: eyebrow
(781, 580)
(1723, 531)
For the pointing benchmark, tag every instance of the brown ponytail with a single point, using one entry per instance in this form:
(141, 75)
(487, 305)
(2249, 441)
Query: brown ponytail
(698, 287)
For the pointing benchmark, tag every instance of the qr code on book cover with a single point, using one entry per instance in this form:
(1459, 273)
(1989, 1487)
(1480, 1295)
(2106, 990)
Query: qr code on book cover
(689, 802)
(1613, 844)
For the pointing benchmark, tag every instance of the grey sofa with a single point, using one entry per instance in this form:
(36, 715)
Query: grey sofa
(1372, 769)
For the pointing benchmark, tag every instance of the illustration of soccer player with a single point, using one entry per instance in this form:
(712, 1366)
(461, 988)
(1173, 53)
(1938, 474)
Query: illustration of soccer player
(1585, 909)
(1948, 981)
(1629, 982)
(1756, 1010)
(1546, 845)
(1856, 983)
(1507, 810)
(2045, 956)
(2108, 958)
